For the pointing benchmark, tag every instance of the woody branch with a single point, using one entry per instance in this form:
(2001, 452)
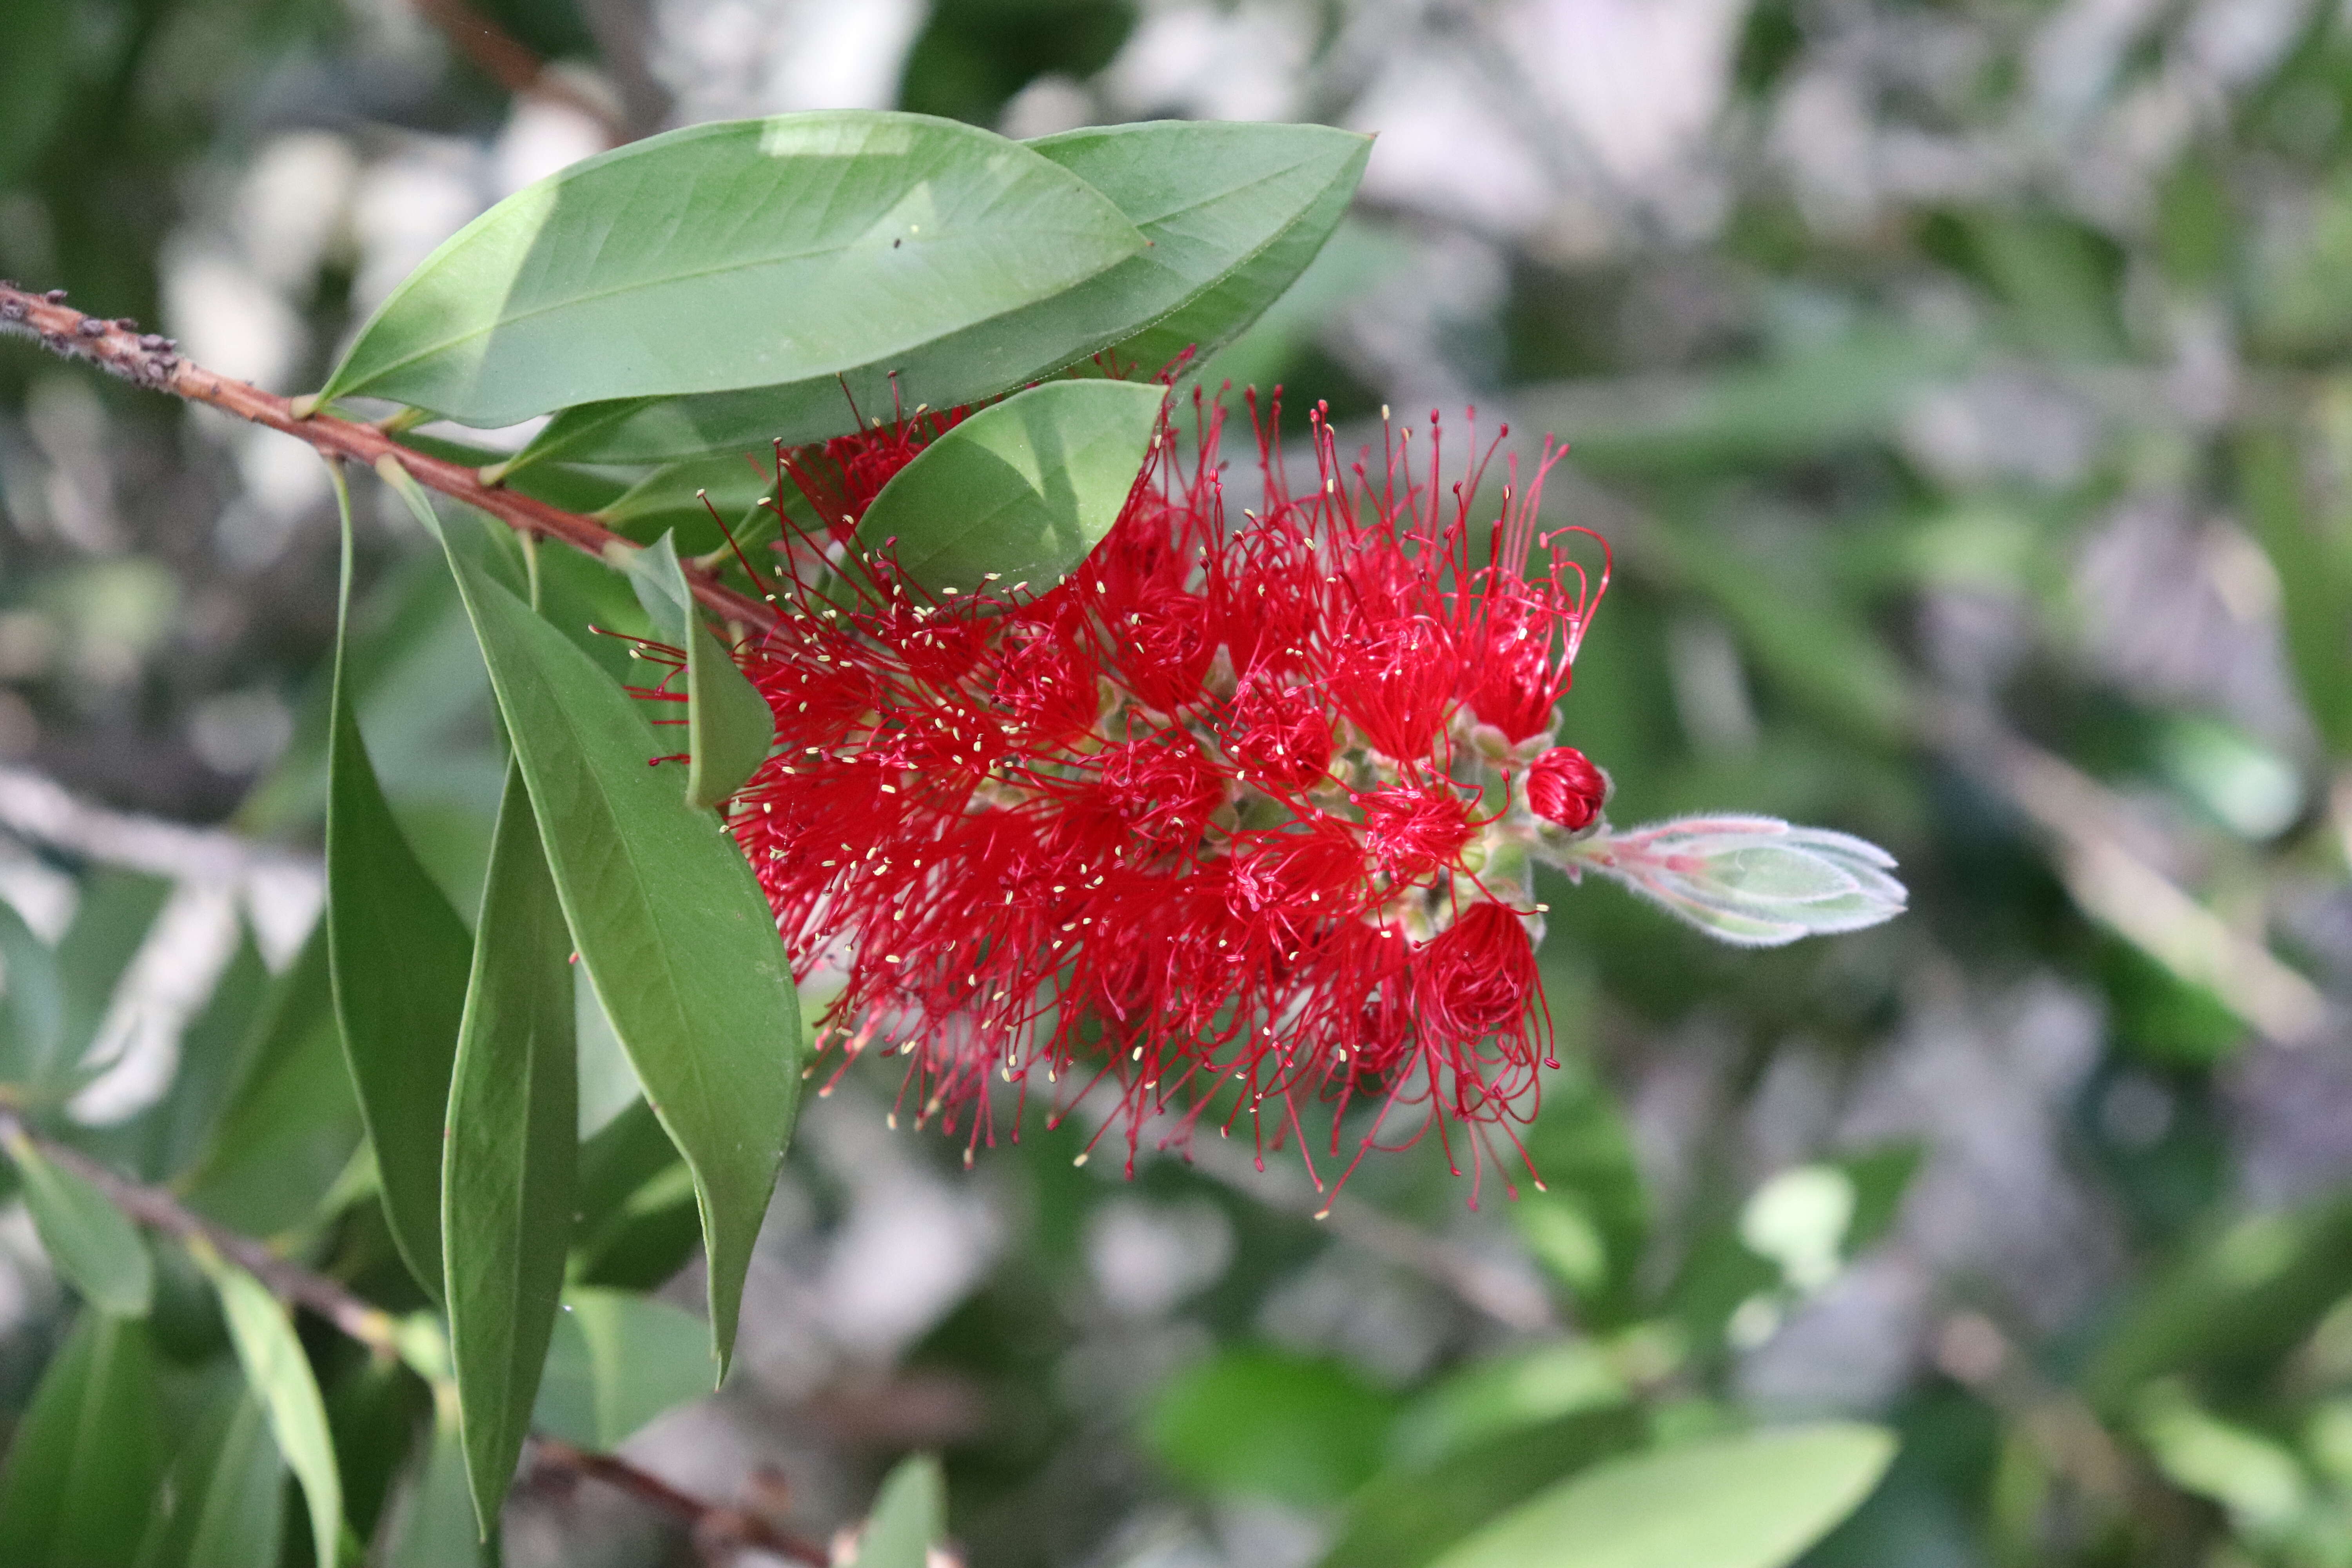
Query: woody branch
(150, 360)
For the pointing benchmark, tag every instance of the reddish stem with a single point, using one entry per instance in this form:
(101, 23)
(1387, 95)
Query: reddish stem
(148, 360)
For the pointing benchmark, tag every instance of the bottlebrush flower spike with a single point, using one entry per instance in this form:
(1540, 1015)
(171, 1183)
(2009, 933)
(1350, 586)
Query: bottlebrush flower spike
(1235, 824)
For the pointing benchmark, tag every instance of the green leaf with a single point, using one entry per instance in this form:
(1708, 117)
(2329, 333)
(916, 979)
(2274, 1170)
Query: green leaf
(98, 1251)
(32, 1006)
(1404, 1517)
(511, 1146)
(2235, 1302)
(228, 1489)
(398, 954)
(1269, 1423)
(1022, 489)
(1232, 214)
(1507, 1394)
(733, 255)
(694, 497)
(1279, 192)
(212, 1055)
(637, 1223)
(292, 1124)
(280, 1374)
(729, 726)
(909, 1517)
(85, 1464)
(617, 1360)
(2313, 555)
(56, 1001)
(666, 916)
(1755, 1502)
(431, 1523)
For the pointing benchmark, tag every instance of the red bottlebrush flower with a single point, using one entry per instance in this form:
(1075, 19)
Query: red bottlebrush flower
(1201, 830)
(1563, 786)
(1477, 975)
(1412, 830)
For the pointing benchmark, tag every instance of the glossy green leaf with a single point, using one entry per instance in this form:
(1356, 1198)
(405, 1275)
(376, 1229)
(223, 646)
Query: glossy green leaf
(1234, 212)
(228, 1489)
(1022, 489)
(431, 1521)
(732, 255)
(85, 1463)
(1273, 1425)
(1755, 1502)
(1285, 187)
(100, 1253)
(909, 1517)
(398, 954)
(666, 915)
(617, 1360)
(292, 1124)
(511, 1147)
(280, 1375)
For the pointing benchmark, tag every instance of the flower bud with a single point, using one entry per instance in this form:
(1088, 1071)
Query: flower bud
(1563, 786)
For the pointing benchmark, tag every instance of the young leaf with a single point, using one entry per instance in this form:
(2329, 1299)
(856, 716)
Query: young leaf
(85, 1464)
(732, 255)
(93, 1245)
(665, 911)
(512, 1141)
(1233, 212)
(398, 954)
(1020, 490)
(227, 1490)
(279, 1373)
(728, 725)
(1752, 881)
(617, 1360)
(1755, 1501)
(909, 1517)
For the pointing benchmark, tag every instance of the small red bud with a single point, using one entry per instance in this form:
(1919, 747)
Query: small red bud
(1563, 786)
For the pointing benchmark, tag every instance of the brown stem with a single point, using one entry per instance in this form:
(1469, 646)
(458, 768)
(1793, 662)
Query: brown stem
(158, 1209)
(150, 361)
(709, 1523)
